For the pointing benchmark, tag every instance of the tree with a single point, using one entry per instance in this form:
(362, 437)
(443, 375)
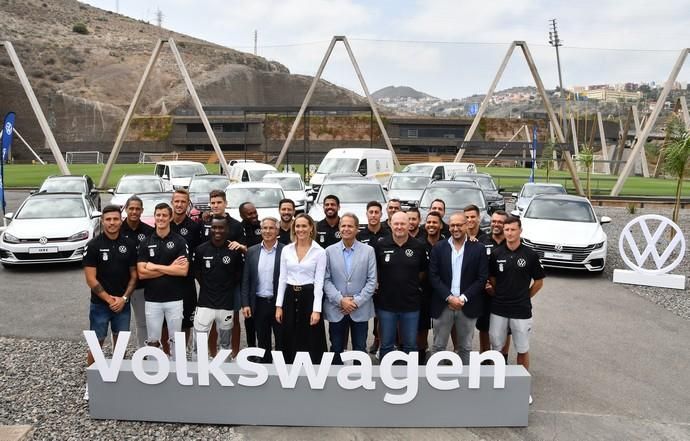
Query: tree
(676, 155)
(587, 158)
(547, 158)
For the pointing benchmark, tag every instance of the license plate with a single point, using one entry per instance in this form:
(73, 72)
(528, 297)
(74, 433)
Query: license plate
(559, 256)
(43, 250)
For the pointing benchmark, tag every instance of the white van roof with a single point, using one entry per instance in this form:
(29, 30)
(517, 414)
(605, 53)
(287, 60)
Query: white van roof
(168, 163)
(254, 166)
(357, 152)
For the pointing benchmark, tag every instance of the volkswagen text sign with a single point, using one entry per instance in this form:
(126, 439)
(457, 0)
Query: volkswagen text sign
(647, 251)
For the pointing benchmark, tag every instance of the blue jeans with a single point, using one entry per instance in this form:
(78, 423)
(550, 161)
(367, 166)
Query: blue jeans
(100, 315)
(392, 322)
(338, 334)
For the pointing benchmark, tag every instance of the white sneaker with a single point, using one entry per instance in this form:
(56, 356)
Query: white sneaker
(86, 393)
(530, 400)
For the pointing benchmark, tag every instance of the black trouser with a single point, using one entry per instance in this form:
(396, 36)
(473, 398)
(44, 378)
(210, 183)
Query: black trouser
(250, 330)
(264, 315)
(298, 334)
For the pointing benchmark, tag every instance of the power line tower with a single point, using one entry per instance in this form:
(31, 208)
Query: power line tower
(556, 42)
(159, 17)
(256, 37)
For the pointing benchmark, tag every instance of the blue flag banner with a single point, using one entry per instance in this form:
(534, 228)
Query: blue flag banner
(7, 135)
(2, 186)
(534, 153)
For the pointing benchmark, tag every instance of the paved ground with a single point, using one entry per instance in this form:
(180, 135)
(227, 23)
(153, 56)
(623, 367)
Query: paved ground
(607, 364)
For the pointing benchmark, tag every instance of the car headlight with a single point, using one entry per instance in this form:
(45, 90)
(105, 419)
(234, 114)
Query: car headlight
(8, 238)
(596, 246)
(78, 236)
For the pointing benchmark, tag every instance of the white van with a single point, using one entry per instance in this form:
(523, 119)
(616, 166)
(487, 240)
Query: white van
(179, 173)
(440, 170)
(249, 171)
(372, 163)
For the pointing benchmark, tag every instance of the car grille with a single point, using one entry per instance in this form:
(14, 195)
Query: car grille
(50, 239)
(202, 207)
(579, 253)
(46, 256)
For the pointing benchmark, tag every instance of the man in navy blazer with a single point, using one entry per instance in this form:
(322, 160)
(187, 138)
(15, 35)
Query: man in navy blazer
(349, 288)
(458, 270)
(260, 284)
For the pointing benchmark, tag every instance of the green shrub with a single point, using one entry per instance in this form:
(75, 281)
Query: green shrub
(80, 28)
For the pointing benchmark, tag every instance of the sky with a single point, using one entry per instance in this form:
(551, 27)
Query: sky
(446, 48)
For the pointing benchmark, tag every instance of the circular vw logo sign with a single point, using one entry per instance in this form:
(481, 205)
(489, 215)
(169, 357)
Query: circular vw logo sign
(141, 237)
(409, 252)
(558, 248)
(43, 240)
(170, 245)
(8, 129)
(122, 249)
(521, 262)
(337, 234)
(226, 259)
(640, 256)
(184, 231)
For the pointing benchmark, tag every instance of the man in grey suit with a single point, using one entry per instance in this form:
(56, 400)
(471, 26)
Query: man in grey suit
(260, 284)
(349, 286)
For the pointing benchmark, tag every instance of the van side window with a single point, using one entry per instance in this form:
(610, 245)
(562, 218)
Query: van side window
(166, 172)
(362, 169)
(159, 170)
(438, 174)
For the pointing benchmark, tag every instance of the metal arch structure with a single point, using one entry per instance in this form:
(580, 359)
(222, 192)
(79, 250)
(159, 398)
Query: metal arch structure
(135, 101)
(36, 107)
(310, 92)
(647, 128)
(547, 105)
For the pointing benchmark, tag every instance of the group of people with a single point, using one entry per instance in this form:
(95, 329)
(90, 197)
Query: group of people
(288, 276)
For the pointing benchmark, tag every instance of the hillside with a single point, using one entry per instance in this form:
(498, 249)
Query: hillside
(85, 82)
(397, 92)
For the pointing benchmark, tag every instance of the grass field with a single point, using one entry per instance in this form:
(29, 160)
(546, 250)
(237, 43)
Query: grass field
(28, 175)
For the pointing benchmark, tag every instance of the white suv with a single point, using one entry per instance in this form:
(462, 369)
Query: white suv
(179, 173)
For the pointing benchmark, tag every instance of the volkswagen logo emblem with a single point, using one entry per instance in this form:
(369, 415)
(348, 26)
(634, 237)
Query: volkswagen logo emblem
(650, 249)
(558, 247)
(43, 240)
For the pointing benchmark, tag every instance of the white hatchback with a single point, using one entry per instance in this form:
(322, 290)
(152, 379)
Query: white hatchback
(565, 232)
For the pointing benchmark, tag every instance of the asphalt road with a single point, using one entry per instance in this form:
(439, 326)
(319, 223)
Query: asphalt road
(606, 363)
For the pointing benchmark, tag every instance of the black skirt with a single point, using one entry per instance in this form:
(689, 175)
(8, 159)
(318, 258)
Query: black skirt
(298, 334)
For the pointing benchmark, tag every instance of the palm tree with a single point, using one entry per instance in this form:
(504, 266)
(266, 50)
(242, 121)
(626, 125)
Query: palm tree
(676, 155)
(587, 158)
(547, 158)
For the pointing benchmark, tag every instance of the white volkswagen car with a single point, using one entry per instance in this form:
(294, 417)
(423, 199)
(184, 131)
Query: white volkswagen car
(49, 228)
(131, 184)
(354, 194)
(293, 186)
(264, 195)
(565, 232)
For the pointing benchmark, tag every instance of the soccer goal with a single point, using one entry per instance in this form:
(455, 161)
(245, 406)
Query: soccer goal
(152, 158)
(84, 157)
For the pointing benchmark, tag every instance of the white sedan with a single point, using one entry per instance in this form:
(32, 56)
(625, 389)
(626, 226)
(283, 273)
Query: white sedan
(264, 195)
(49, 228)
(565, 232)
(293, 186)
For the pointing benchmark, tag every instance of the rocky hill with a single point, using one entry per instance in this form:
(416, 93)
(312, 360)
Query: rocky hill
(85, 63)
(398, 92)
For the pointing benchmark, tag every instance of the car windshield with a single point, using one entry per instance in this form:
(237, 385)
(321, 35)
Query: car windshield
(205, 185)
(62, 186)
(485, 182)
(454, 197)
(187, 170)
(409, 182)
(151, 202)
(572, 211)
(338, 165)
(257, 175)
(352, 193)
(52, 208)
(533, 190)
(288, 183)
(138, 186)
(418, 168)
(260, 197)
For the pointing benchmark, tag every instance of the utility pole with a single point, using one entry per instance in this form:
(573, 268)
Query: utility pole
(159, 17)
(117, 6)
(256, 37)
(557, 42)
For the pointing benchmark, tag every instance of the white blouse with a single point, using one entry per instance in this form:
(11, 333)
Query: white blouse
(312, 269)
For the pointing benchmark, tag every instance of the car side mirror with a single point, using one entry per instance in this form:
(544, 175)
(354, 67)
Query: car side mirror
(33, 192)
(490, 210)
(514, 195)
(95, 214)
(111, 190)
(501, 190)
(604, 220)
(515, 213)
(9, 216)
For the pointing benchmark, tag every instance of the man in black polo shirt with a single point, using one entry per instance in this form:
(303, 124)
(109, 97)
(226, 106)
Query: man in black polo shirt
(414, 218)
(163, 262)
(491, 242)
(218, 203)
(327, 231)
(393, 206)
(473, 231)
(135, 230)
(374, 229)
(217, 268)
(401, 263)
(287, 216)
(439, 205)
(516, 275)
(110, 261)
(183, 225)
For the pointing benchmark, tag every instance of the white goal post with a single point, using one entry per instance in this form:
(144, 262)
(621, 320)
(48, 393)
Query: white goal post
(90, 157)
(152, 158)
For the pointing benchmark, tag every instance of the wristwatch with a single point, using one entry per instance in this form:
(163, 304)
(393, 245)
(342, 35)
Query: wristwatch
(125, 298)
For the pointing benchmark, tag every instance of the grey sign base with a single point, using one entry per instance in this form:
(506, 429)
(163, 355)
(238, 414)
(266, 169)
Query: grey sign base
(271, 405)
